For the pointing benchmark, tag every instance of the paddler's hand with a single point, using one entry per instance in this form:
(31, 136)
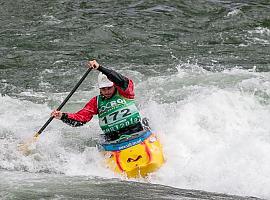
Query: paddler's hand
(93, 64)
(56, 114)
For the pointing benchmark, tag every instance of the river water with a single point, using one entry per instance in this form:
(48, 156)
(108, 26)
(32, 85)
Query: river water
(202, 75)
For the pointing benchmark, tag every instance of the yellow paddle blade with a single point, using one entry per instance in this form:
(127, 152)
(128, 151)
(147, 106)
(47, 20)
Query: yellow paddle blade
(25, 147)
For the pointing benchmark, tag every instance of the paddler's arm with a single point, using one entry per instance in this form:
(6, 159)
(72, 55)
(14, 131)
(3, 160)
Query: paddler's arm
(124, 85)
(118, 79)
(64, 118)
(79, 118)
(71, 122)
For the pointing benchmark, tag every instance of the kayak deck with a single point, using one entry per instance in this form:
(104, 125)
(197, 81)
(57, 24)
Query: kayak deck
(137, 155)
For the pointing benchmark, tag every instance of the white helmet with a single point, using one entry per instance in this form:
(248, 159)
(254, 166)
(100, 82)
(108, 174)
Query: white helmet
(103, 81)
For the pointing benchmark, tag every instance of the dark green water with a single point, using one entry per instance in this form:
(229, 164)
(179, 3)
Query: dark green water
(152, 36)
(61, 187)
(202, 75)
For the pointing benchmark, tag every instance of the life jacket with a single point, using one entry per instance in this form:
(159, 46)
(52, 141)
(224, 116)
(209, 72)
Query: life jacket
(117, 113)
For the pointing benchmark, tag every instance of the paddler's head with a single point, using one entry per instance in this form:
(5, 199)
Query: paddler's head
(106, 87)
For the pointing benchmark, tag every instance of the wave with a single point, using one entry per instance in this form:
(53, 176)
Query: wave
(213, 126)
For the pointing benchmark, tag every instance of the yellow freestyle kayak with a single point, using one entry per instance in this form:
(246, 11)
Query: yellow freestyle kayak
(135, 155)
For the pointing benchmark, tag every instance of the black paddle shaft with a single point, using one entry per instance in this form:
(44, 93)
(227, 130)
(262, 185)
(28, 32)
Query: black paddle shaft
(65, 101)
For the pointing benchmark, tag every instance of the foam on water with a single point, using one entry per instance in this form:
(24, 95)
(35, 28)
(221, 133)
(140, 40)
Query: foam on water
(216, 142)
(217, 139)
(60, 149)
(215, 133)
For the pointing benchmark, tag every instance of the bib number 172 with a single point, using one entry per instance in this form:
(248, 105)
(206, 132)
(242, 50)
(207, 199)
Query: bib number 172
(116, 115)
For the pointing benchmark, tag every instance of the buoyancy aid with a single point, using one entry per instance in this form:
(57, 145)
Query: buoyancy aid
(117, 113)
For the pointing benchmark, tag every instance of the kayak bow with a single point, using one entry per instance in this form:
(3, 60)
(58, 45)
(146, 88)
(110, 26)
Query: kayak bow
(137, 155)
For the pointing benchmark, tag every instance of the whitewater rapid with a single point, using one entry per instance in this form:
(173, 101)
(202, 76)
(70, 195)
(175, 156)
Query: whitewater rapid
(214, 128)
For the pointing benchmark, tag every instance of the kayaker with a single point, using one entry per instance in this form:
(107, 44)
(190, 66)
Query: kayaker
(115, 106)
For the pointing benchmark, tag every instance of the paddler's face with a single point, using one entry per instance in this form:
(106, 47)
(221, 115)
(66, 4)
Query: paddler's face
(107, 92)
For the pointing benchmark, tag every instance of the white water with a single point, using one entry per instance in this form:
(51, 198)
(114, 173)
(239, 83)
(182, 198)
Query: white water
(217, 142)
(215, 132)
